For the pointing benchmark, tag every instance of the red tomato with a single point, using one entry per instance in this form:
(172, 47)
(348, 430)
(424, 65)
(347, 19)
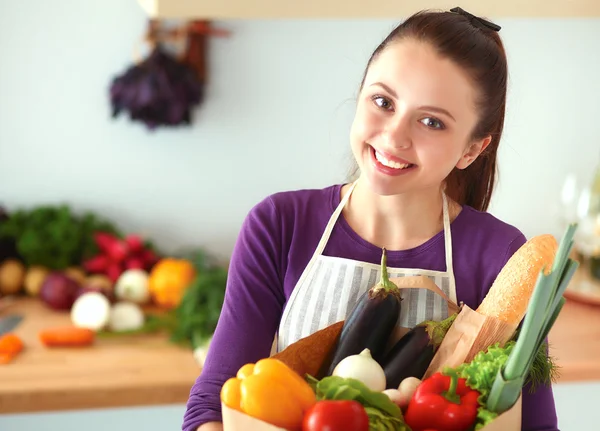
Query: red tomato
(336, 415)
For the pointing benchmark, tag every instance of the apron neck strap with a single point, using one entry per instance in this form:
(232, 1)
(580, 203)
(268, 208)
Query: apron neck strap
(448, 247)
(447, 233)
(333, 220)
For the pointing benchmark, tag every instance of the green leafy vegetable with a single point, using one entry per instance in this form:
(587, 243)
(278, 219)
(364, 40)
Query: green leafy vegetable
(379, 421)
(544, 369)
(383, 413)
(480, 374)
(194, 320)
(198, 313)
(482, 371)
(484, 417)
(53, 236)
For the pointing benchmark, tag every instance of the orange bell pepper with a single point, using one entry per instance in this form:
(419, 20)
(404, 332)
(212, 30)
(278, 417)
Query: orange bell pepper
(269, 391)
(169, 279)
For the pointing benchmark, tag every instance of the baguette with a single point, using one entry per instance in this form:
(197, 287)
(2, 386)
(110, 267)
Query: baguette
(511, 291)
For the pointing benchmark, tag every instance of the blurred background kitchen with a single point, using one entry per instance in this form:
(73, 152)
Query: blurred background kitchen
(275, 115)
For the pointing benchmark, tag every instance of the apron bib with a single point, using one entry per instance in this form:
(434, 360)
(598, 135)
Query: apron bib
(329, 287)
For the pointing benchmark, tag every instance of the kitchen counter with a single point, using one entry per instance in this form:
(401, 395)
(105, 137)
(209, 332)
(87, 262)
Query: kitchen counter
(575, 342)
(148, 370)
(114, 372)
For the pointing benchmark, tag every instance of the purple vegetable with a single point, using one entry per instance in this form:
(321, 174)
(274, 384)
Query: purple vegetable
(159, 91)
(59, 291)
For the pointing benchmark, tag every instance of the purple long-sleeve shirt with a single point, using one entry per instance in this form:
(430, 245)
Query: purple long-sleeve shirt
(276, 241)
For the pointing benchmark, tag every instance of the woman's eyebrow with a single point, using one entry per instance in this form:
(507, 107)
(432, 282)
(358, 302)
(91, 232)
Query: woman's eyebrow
(438, 110)
(386, 88)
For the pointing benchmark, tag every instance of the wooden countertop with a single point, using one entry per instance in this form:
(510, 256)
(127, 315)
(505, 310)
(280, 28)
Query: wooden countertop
(148, 370)
(114, 372)
(575, 342)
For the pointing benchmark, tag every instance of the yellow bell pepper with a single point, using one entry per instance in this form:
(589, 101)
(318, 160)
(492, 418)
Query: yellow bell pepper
(169, 279)
(269, 391)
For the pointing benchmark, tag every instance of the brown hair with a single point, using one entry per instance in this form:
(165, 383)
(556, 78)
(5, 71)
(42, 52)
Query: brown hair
(480, 52)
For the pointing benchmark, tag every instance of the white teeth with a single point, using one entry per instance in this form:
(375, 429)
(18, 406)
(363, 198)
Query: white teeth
(390, 163)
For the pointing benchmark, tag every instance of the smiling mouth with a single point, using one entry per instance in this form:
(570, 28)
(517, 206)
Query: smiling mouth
(393, 164)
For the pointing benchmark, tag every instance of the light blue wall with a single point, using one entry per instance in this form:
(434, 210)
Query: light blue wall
(276, 117)
(278, 109)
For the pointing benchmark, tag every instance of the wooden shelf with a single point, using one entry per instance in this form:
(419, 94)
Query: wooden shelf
(355, 9)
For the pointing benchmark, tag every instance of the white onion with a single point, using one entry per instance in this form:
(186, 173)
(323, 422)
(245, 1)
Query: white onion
(132, 285)
(91, 310)
(364, 368)
(126, 316)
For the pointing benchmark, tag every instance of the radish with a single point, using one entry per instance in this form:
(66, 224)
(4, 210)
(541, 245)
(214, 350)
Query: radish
(134, 263)
(132, 286)
(149, 257)
(113, 247)
(134, 242)
(97, 264)
(114, 270)
(91, 311)
(119, 252)
(105, 241)
(126, 316)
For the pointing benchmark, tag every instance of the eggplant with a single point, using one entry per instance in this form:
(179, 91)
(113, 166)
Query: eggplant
(413, 353)
(370, 322)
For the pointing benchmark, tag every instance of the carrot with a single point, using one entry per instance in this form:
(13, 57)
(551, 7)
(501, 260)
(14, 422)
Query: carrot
(10, 344)
(66, 336)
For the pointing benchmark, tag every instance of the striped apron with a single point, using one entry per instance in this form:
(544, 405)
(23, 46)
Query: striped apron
(330, 286)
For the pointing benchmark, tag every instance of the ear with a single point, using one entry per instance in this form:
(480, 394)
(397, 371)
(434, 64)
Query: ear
(472, 152)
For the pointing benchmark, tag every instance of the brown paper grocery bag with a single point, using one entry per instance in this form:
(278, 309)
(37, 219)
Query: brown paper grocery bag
(234, 420)
(470, 333)
(510, 420)
(418, 282)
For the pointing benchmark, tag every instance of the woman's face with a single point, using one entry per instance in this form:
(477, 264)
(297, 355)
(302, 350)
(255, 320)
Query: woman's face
(413, 121)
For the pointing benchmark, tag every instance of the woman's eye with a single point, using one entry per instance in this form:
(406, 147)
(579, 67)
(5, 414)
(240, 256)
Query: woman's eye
(382, 102)
(433, 123)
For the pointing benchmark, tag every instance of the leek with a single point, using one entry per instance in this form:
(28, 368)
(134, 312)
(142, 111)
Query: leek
(542, 311)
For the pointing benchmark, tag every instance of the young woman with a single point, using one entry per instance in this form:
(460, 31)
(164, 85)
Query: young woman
(429, 119)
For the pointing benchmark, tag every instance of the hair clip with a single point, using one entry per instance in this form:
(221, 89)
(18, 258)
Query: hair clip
(476, 21)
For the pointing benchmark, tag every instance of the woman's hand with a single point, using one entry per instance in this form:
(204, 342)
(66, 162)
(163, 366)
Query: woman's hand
(211, 426)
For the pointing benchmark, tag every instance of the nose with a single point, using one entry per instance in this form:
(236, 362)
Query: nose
(397, 131)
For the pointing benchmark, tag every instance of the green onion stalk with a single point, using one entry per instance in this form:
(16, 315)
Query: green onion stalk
(543, 309)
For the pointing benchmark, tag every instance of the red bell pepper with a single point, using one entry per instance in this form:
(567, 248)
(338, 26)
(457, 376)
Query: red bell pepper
(443, 402)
